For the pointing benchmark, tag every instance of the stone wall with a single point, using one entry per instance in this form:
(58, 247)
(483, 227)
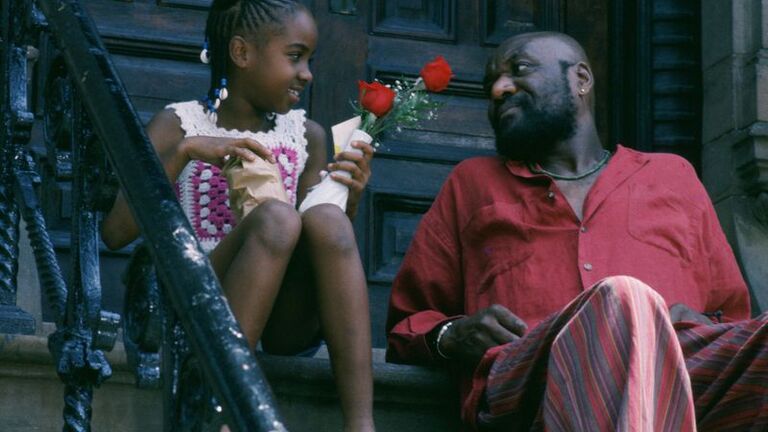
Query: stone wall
(735, 130)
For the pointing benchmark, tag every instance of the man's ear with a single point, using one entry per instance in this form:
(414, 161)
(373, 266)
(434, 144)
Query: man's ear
(584, 78)
(238, 51)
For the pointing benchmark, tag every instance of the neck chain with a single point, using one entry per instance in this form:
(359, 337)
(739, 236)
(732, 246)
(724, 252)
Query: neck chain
(579, 176)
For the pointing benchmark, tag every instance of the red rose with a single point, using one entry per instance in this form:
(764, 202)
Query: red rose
(376, 98)
(436, 74)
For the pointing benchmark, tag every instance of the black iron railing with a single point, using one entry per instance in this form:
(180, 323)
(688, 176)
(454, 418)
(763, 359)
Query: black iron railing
(88, 120)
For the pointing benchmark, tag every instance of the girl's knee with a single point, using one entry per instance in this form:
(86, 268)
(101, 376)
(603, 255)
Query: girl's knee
(274, 224)
(327, 226)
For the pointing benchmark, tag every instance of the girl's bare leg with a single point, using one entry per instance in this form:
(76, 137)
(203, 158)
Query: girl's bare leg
(251, 262)
(326, 276)
(342, 296)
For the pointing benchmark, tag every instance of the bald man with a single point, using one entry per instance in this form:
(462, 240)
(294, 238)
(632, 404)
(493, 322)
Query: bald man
(571, 287)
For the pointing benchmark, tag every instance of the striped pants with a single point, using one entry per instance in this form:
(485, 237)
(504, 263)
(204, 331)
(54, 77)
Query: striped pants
(612, 361)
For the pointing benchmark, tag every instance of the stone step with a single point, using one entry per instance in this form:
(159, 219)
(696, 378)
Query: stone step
(407, 398)
(32, 396)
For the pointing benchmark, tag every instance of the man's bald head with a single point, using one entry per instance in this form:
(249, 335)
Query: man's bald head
(558, 46)
(568, 48)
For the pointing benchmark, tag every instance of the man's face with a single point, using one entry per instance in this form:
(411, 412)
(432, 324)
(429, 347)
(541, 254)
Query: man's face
(532, 106)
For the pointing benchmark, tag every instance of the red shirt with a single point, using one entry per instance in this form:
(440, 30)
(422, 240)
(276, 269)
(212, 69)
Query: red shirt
(497, 233)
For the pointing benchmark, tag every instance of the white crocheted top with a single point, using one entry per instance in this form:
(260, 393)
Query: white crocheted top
(202, 189)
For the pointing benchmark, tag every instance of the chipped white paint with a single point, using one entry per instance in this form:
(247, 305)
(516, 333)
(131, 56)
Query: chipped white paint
(200, 298)
(189, 246)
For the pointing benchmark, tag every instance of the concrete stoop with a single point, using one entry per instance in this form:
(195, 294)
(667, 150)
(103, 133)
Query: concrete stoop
(32, 396)
(407, 398)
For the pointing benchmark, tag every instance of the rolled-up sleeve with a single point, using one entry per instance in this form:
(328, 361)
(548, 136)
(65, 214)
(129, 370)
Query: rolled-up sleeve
(428, 289)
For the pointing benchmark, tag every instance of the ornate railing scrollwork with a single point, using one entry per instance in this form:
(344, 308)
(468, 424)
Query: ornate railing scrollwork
(51, 279)
(80, 363)
(58, 121)
(18, 28)
(144, 318)
(86, 330)
(92, 135)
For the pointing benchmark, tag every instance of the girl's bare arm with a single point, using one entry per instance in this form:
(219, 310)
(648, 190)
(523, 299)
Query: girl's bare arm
(164, 131)
(316, 142)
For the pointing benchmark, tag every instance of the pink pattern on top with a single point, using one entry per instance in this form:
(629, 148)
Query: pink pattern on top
(286, 163)
(206, 192)
(203, 190)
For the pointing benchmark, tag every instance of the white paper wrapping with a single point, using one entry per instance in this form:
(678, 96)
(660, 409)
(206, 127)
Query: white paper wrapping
(329, 191)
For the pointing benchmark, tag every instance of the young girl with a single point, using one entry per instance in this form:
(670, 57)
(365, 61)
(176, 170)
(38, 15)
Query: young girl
(288, 278)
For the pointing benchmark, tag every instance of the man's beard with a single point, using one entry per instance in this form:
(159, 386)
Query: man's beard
(535, 135)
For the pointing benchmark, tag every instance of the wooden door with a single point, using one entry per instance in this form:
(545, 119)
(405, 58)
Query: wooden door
(390, 39)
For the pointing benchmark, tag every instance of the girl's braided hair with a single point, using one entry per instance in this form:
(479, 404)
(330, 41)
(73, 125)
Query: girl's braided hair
(227, 17)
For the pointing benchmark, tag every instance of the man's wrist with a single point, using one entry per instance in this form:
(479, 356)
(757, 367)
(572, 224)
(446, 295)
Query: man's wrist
(447, 342)
(440, 350)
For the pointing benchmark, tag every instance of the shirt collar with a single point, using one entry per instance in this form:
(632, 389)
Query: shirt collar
(623, 160)
(520, 169)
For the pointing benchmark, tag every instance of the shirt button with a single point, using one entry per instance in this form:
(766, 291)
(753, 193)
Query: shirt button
(551, 195)
(583, 229)
(587, 266)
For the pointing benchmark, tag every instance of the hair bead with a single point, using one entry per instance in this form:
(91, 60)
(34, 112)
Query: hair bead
(204, 57)
(223, 93)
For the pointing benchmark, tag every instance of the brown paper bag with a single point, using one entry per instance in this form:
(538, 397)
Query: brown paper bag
(252, 183)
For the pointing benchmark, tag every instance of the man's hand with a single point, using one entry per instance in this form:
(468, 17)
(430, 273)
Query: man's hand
(679, 312)
(468, 338)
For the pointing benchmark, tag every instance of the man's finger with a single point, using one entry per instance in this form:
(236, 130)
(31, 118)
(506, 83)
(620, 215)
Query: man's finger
(509, 320)
(499, 334)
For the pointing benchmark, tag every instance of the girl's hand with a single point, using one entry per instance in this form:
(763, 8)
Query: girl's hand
(359, 166)
(216, 151)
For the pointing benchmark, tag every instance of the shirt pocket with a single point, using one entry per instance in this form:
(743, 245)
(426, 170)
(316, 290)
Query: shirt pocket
(663, 220)
(496, 240)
